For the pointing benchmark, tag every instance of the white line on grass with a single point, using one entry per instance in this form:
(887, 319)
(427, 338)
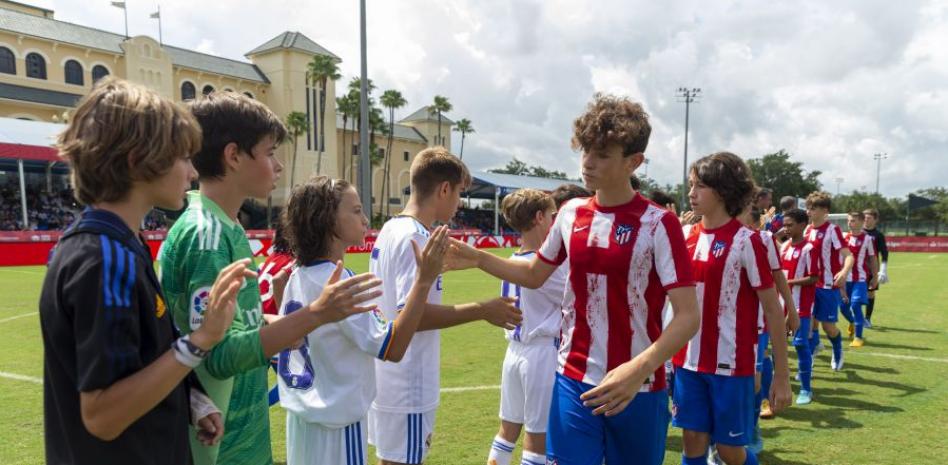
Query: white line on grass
(15, 317)
(470, 388)
(17, 377)
(902, 357)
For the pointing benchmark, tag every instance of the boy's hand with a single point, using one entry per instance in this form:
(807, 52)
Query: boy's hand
(431, 260)
(689, 217)
(843, 295)
(342, 299)
(617, 389)
(780, 393)
(460, 256)
(840, 280)
(874, 283)
(793, 320)
(210, 429)
(222, 303)
(502, 312)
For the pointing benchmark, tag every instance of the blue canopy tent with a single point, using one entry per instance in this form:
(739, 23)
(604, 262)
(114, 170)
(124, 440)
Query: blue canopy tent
(496, 186)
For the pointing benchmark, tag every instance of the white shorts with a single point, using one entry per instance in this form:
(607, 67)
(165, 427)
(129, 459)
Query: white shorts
(401, 437)
(526, 386)
(309, 443)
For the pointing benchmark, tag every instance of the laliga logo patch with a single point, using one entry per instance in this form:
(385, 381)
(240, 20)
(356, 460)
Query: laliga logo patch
(379, 318)
(198, 306)
(623, 234)
(718, 249)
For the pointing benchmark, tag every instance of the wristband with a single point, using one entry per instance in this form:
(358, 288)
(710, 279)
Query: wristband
(184, 354)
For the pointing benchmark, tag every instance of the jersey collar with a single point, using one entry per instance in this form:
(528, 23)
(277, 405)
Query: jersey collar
(200, 200)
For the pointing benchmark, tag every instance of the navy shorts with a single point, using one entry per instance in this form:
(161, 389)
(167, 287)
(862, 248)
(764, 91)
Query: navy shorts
(722, 406)
(826, 305)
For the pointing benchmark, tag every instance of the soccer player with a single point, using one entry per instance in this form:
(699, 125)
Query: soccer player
(116, 384)
(835, 262)
(402, 417)
(566, 192)
(236, 162)
(799, 262)
(625, 254)
(864, 273)
(529, 368)
(274, 272)
(714, 373)
(774, 224)
(328, 383)
(872, 219)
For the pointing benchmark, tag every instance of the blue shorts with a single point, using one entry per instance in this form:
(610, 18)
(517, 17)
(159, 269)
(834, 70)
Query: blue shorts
(826, 305)
(802, 336)
(577, 437)
(858, 292)
(763, 339)
(722, 406)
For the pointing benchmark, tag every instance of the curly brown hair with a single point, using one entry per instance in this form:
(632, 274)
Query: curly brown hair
(729, 176)
(819, 199)
(309, 219)
(612, 120)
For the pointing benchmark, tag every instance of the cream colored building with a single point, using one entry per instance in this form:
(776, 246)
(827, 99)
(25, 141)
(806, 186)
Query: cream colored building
(46, 65)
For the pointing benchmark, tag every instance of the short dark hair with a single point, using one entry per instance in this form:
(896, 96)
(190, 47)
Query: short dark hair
(566, 192)
(764, 192)
(433, 166)
(521, 207)
(280, 244)
(871, 212)
(787, 202)
(610, 119)
(858, 215)
(798, 215)
(310, 217)
(729, 176)
(661, 198)
(227, 117)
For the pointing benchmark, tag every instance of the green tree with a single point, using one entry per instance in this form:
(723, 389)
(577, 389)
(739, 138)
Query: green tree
(355, 94)
(464, 127)
(347, 108)
(520, 168)
(296, 124)
(785, 177)
(319, 71)
(392, 100)
(440, 105)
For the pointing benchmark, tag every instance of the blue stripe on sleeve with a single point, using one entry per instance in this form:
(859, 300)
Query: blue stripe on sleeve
(130, 282)
(359, 443)
(106, 269)
(386, 341)
(117, 291)
(348, 433)
(410, 434)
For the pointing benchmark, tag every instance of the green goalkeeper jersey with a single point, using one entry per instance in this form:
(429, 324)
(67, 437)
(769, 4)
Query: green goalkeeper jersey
(203, 241)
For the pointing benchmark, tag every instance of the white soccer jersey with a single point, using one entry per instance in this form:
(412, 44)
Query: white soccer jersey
(330, 380)
(412, 385)
(542, 311)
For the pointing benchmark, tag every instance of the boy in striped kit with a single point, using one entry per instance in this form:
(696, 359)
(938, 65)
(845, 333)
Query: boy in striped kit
(714, 373)
(863, 275)
(529, 369)
(625, 255)
(799, 264)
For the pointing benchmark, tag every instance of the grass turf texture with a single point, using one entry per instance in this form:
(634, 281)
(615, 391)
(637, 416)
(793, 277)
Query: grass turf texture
(880, 409)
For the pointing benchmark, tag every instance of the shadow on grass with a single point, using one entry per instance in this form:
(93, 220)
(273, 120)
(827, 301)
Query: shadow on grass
(769, 457)
(872, 344)
(886, 329)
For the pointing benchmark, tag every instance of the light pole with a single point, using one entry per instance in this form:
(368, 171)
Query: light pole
(365, 168)
(839, 181)
(878, 158)
(688, 96)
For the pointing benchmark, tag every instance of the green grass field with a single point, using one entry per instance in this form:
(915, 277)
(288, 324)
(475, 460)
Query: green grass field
(888, 406)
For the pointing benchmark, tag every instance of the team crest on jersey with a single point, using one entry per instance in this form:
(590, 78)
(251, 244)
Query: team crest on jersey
(159, 307)
(379, 318)
(623, 234)
(718, 249)
(819, 235)
(198, 306)
(796, 254)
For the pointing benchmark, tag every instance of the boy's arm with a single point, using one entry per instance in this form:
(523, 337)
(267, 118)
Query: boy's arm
(780, 389)
(108, 411)
(783, 287)
(840, 279)
(804, 281)
(530, 274)
(501, 312)
(873, 272)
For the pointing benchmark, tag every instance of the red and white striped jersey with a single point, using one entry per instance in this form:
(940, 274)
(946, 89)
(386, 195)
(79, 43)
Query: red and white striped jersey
(773, 259)
(730, 265)
(799, 261)
(862, 246)
(827, 241)
(622, 261)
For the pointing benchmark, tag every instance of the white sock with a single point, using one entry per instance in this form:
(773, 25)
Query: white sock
(529, 458)
(500, 452)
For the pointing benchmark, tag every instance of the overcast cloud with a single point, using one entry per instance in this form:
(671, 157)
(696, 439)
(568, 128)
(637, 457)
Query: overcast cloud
(831, 82)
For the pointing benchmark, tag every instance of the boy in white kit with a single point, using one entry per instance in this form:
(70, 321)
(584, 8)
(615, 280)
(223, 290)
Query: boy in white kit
(529, 369)
(327, 383)
(401, 420)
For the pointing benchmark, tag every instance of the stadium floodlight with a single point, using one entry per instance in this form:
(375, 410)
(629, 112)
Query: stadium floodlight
(839, 182)
(687, 96)
(878, 158)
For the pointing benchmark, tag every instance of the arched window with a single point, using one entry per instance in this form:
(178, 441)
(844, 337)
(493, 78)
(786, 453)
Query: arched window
(7, 61)
(248, 94)
(35, 66)
(74, 73)
(187, 91)
(99, 72)
(207, 90)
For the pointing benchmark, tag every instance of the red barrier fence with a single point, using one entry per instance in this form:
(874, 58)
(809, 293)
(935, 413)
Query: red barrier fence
(20, 248)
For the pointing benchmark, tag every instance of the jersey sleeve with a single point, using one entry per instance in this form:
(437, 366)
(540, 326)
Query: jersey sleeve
(671, 255)
(755, 263)
(870, 246)
(369, 332)
(241, 348)
(553, 250)
(812, 264)
(406, 268)
(835, 236)
(106, 325)
(772, 257)
(880, 245)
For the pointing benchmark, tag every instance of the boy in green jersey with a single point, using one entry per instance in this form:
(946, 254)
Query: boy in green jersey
(237, 161)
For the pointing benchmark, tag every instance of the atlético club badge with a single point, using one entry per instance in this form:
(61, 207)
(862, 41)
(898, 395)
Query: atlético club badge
(718, 249)
(623, 234)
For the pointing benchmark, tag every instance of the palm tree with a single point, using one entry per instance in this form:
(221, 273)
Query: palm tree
(296, 125)
(347, 107)
(441, 105)
(391, 99)
(355, 93)
(464, 127)
(319, 71)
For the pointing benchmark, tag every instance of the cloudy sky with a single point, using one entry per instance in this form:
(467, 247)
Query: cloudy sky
(830, 82)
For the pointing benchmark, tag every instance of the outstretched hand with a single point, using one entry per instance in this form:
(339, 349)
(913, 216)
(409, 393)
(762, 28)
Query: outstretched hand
(222, 301)
(502, 312)
(430, 261)
(342, 299)
(460, 256)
